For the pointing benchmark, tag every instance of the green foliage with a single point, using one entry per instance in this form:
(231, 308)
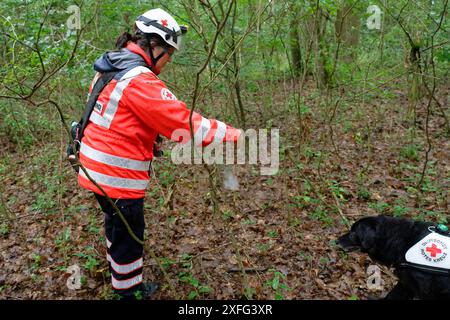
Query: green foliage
(90, 258)
(305, 256)
(64, 238)
(340, 192)
(399, 211)
(263, 247)
(272, 234)
(278, 284)
(36, 262)
(302, 201)
(93, 227)
(410, 152)
(198, 290)
(321, 214)
(379, 207)
(167, 262)
(4, 229)
(430, 215)
(228, 214)
(363, 193)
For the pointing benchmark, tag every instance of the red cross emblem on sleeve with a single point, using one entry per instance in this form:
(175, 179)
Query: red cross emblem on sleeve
(433, 250)
(167, 95)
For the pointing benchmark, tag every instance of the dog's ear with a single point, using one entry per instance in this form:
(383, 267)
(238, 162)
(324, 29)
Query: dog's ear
(363, 235)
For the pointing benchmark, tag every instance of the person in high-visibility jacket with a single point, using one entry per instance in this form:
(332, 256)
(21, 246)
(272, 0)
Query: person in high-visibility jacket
(117, 146)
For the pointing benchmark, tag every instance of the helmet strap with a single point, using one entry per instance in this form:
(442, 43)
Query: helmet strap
(155, 60)
(165, 50)
(152, 57)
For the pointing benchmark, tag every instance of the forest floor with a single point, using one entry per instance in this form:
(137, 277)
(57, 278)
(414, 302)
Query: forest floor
(273, 239)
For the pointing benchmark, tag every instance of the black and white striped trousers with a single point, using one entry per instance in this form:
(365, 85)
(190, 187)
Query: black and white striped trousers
(124, 254)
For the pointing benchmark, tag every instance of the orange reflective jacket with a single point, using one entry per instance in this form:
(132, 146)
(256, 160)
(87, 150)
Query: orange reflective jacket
(131, 111)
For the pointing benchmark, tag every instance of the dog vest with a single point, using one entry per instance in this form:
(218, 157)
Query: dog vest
(431, 253)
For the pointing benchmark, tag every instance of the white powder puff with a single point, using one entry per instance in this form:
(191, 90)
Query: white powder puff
(230, 181)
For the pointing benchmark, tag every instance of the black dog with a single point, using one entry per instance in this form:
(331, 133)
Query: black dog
(387, 240)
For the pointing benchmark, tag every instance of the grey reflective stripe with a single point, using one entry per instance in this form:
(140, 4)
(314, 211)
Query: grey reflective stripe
(202, 131)
(98, 119)
(108, 243)
(114, 98)
(115, 182)
(112, 160)
(125, 268)
(125, 284)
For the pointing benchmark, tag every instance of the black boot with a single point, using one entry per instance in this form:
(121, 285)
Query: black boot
(143, 292)
(148, 289)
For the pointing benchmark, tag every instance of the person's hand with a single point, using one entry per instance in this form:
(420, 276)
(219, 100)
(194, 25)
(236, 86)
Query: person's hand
(157, 145)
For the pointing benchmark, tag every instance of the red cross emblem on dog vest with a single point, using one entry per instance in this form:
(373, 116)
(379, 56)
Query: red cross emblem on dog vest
(433, 250)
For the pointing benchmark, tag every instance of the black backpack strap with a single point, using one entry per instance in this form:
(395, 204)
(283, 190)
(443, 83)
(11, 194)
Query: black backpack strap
(77, 128)
(101, 83)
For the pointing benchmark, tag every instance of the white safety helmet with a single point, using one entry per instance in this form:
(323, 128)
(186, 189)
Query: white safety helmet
(163, 24)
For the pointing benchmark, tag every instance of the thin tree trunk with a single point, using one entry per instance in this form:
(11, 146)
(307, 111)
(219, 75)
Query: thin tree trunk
(296, 53)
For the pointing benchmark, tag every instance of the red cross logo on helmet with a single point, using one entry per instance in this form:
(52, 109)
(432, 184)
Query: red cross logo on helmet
(158, 21)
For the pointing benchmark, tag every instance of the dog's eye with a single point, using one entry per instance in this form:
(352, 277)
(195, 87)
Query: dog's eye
(353, 237)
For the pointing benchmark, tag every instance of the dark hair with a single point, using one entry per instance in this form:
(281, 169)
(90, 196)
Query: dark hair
(146, 41)
(124, 38)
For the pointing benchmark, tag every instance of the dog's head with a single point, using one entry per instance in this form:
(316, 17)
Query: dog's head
(362, 236)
